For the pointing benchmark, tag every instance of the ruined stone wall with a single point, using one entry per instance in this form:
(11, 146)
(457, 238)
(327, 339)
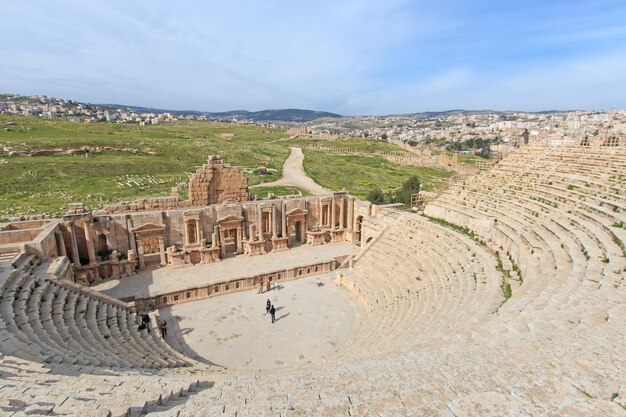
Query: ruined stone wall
(216, 183)
(145, 204)
(213, 183)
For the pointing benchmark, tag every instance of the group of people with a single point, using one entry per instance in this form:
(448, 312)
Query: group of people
(145, 324)
(269, 308)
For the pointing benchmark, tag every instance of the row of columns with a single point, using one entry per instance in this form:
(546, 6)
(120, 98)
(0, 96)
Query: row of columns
(343, 200)
(137, 246)
(273, 222)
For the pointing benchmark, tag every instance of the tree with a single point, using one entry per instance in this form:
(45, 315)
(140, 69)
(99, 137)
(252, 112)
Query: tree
(376, 196)
(410, 186)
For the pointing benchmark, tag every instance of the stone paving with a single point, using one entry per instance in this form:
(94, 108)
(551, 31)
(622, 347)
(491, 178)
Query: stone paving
(163, 280)
(233, 330)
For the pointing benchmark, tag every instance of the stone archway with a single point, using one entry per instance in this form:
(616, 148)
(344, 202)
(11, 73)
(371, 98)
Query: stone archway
(359, 226)
(102, 247)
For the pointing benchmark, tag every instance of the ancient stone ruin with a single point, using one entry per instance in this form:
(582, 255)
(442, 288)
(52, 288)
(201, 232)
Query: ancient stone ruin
(507, 297)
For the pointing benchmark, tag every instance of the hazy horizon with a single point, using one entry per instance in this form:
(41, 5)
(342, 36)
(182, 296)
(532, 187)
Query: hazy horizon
(351, 58)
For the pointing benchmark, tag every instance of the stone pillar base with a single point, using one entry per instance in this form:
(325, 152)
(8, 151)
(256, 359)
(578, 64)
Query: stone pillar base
(280, 244)
(316, 238)
(337, 235)
(210, 255)
(254, 248)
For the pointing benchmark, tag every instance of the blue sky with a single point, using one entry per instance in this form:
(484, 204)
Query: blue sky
(350, 57)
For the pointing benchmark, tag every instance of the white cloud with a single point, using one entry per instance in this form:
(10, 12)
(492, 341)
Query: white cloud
(350, 56)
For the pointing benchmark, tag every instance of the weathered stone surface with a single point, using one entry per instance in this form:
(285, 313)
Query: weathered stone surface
(434, 335)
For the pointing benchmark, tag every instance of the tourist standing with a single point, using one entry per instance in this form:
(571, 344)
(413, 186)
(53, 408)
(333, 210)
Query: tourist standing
(163, 328)
(268, 305)
(273, 313)
(145, 322)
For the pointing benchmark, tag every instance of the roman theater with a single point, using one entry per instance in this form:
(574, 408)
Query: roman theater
(504, 295)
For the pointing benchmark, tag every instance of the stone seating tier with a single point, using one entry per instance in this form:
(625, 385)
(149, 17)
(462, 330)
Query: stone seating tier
(87, 391)
(437, 337)
(554, 348)
(44, 321)
(421, 274)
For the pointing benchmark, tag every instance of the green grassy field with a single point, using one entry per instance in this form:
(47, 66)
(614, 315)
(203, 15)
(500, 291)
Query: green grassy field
(359, 174)
(158, 158)
(152, 159)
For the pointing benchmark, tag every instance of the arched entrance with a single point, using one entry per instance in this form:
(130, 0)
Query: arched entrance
(103, 246)
(359, 224)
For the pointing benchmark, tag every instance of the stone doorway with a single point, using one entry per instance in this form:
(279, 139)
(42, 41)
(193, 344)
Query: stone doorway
(298, 226)
(359, 225)
(103, 246)
(230, 242)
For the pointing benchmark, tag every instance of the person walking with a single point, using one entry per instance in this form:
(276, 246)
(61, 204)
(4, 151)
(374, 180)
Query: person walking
(163, 328)
(268, 305)
(273, 313)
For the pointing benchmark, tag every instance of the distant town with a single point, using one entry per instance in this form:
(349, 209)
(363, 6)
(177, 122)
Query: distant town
(57, 108)
(433, 128)
(454, 126)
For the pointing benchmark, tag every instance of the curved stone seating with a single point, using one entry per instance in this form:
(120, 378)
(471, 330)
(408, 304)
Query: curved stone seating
(425, 346)
(42, 320)
(83, 392)
(570, 225)
(440, 345)
(420, 283)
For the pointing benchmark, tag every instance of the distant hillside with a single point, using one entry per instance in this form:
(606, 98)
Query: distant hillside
(280, 115)
(461, 112)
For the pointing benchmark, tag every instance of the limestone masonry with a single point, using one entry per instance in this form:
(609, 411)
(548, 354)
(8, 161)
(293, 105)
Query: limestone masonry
(504, 296)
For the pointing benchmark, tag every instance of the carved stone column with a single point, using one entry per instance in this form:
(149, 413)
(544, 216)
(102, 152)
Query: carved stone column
(283, 225)
(251, 232)
(91, 251)
(259, 215)
(351, 213)
(320, 215)
(162, 251)
(303, 231)
(222, 247)
(239, 240)
(140, 256)
(274, 222)
(332, 213)
(75, 257)
(341, 212)
(130, 225)
(216, 237)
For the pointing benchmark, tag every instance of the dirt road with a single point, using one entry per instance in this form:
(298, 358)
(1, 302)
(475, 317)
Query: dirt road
(294, 175)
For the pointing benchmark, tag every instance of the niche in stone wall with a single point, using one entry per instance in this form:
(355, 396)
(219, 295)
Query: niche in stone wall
(103, 247)
(192, 235)
(266, 222)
